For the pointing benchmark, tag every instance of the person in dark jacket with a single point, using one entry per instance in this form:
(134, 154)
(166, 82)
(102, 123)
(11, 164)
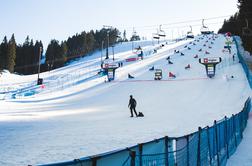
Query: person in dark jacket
(132, 106)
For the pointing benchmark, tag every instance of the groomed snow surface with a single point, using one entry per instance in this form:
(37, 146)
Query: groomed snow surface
(77, 114)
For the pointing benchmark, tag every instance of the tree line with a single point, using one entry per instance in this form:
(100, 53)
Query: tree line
(237, 24)
(24, 58)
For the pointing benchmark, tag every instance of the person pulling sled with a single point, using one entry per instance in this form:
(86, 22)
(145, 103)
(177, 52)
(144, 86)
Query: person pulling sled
(132, 105)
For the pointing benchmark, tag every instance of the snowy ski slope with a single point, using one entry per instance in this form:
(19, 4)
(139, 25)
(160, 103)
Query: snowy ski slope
(65, 122)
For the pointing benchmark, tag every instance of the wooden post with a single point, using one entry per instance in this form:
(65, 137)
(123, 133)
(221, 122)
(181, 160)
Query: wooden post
(209, 147)
(94, 161)
(187, 150)
(166, 151)
(226, 137)
(199, 142)
(234, 126)
(140, 148)
(133, 158)
(217, 142)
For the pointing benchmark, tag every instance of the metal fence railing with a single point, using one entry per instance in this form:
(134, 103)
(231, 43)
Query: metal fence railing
(208, 146)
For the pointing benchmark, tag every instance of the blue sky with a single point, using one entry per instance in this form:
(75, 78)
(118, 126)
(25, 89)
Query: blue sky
(58, 19)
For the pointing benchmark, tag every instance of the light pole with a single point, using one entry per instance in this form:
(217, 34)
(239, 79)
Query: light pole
(133, 38)
(40, 80)
(113, 52)
(107, 53)
(101, 51)
(108, 30)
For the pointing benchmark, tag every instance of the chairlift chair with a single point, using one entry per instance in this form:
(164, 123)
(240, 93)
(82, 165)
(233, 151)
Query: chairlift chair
(190, 34)
(204, 29)
(161, 33)
(155, 36)
(246, 31)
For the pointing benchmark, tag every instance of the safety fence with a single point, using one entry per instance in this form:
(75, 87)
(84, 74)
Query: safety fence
(207, 146)
(240, 52)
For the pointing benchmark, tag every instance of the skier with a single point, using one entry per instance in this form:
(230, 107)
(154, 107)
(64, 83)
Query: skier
(132, 105)
(196, 56)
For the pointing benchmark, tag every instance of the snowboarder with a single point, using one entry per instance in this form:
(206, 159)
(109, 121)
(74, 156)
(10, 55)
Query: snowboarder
(176, 51)
(233, 57)
(229, 50)
(130, 76)
(170, 62)
(151, 69)
(182, 54)
(171, 75)
(132, 105)
(196, 56)
(188, 66)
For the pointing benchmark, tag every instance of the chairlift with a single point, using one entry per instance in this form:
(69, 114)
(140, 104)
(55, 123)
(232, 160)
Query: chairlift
(204, 29)
(246, 31)
(190, 34)
(161, 32)
(155, 36)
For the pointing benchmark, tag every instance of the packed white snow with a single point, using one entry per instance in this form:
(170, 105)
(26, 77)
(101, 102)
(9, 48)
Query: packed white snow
(76, 113)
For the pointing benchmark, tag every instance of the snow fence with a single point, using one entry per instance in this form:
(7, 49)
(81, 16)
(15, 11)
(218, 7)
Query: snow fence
(207, 146)
(240, 53)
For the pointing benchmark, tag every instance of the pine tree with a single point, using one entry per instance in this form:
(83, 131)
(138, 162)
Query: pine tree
(63, 52)
(90, 41)
(237, 23)
(124, 36)
(11, 54)
(56, 54)
(4, 52)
